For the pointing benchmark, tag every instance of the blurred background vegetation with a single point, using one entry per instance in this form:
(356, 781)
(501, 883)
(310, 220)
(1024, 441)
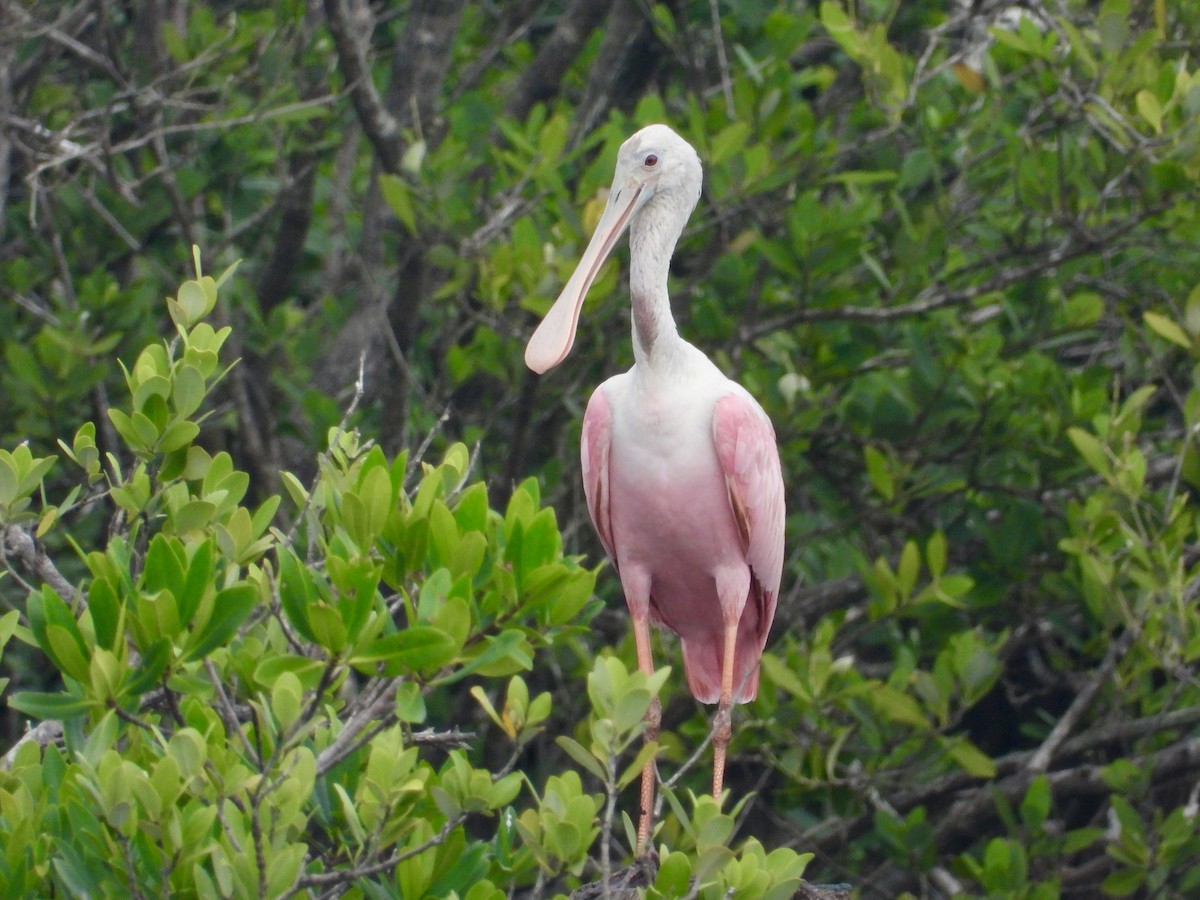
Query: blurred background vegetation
(952, 247)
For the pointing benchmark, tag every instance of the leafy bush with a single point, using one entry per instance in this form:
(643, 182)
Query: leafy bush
(951, 247)
(252, 711)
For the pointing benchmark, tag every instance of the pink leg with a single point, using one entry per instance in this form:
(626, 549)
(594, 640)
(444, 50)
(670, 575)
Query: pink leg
(723, 722)
(641, 637)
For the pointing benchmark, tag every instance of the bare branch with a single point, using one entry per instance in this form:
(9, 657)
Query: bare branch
(378, 124)
(17, 543)
(376, 700)
(341, 876)
(937, 296)
(543, 78)
(1040, 760)
(43, 734)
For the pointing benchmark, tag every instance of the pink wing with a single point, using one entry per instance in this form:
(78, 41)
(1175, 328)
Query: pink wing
(749, 456)
(593, 451)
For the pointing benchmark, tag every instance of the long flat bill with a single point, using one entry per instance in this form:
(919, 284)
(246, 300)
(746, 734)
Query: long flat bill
(552, 341)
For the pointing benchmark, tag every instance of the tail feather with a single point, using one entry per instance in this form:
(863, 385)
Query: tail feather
(702, 663)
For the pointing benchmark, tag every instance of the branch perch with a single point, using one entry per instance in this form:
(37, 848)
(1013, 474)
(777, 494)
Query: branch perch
(17, 543)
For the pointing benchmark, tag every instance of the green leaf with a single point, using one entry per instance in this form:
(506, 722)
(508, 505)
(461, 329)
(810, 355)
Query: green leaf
(879, 472)
(1167, 328)
(296, 592)
(105, 610)
(838, 24)
(199, 580)
(192, 304)
(935, 554)
(1150, 109)
(397, 196)
(328, 626)
(56, 631)
(230, 609)
(674, 875)
(1092, 451)
(730, 141)
(908, 569)
(1035, 808)
(153, 664)
(972, 760)
(178, 435)
(163, 569)
(503, 654)
(1124, 882)
(582, 756)
(898, 706)
(784, 677)
(49, 706)
(187, 389)
(420, 648)
(124, 425)
(410, 703)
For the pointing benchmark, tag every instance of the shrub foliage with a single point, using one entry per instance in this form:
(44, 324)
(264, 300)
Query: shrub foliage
(301, 598)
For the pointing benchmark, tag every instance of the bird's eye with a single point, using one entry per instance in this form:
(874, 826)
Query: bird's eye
(650, 161)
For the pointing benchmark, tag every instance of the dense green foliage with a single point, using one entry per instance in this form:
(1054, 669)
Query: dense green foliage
(303, 588)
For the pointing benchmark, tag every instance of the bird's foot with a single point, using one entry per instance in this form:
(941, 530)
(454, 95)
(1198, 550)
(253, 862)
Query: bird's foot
(722, 731)
(649, 778)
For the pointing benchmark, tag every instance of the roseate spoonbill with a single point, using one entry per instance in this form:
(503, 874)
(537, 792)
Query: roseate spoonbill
(680, 466)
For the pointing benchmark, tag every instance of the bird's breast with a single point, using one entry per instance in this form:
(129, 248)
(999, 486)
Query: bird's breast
(668, 498)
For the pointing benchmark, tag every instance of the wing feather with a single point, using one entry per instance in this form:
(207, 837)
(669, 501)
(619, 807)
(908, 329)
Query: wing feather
(594, 447)
(749, 457)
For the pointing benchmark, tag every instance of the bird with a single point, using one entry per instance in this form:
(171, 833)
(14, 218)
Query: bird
(680, 464)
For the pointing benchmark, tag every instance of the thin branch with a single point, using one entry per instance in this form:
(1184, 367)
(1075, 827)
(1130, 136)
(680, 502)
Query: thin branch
(372, 703)
(227, 712)
(722, 61)
(379, 125)
(359, 387)
(341, 876)
(1040, 761)
(938, 295)
(17, 543)
(543, 78)
(43, 734)
(453, 739)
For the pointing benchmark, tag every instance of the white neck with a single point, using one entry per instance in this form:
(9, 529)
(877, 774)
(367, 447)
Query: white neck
(652, 237)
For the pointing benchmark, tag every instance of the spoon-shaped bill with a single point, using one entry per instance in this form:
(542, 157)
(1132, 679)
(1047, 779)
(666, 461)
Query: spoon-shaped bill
(552, 340)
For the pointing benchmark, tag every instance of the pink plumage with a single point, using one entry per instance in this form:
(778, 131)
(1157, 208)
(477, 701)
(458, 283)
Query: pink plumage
(678, 518)
(680, 464)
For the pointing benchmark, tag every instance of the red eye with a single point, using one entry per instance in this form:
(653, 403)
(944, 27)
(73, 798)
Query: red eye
(650, 161)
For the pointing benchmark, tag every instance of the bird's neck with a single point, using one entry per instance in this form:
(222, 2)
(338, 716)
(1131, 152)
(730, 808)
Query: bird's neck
(652, 239)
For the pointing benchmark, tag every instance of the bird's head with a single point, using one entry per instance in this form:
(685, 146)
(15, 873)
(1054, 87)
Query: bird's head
(655, 166)
(656, 162)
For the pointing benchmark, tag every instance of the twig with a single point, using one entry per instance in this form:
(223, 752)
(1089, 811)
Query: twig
(425, 442)
(379, 125)
(16, 542)
(722, 61)
(373, 701)
(455, 738)
(43, 734)
(359, 386)
(227, 712)
(695, 757)
(340, 876)
(33, 306)
(1040, 761)
(938, 295)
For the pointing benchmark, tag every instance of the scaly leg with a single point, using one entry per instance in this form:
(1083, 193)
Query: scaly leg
(723, 722)
(641, 637)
